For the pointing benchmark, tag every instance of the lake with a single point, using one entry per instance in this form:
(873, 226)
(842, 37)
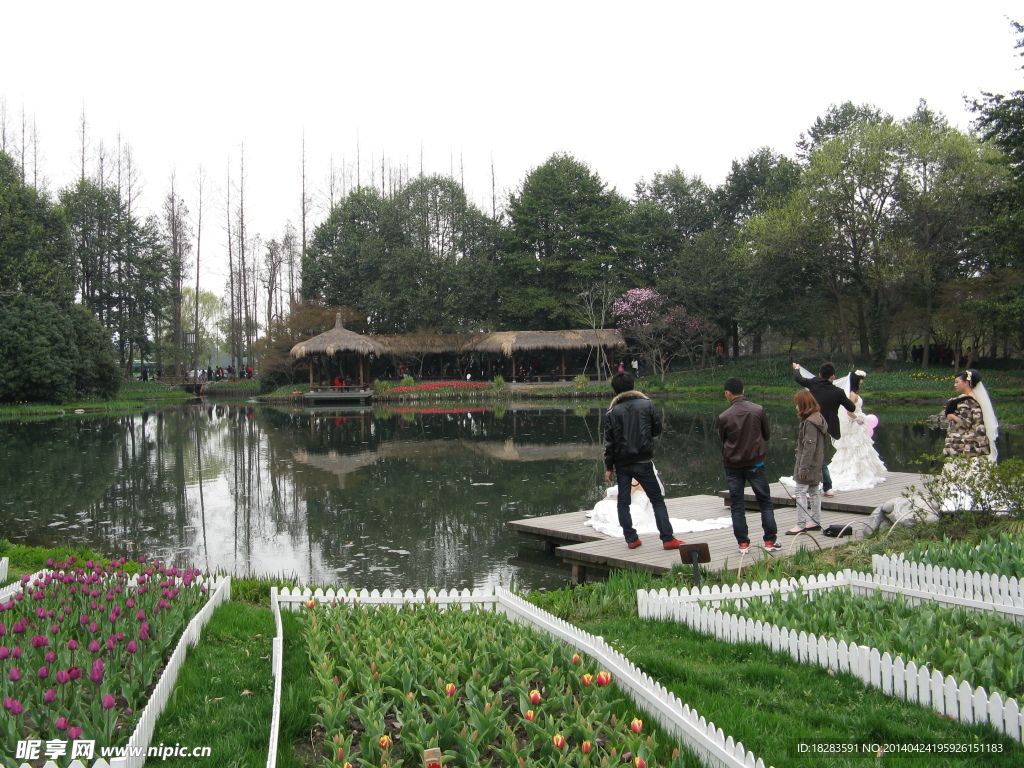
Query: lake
(370, 498)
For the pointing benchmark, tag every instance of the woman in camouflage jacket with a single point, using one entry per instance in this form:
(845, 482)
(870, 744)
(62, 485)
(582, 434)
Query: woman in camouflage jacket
(967, 434)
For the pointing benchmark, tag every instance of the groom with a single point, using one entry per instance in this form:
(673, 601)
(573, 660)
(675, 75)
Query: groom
(829, 397)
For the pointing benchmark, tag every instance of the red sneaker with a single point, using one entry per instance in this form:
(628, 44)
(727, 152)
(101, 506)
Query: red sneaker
(673, 544)
(744, 546)
(634, 544)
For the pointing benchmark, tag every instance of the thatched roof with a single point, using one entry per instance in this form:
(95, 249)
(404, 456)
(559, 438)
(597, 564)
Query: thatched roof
(509, 342)
(423, 343)
(338, 340)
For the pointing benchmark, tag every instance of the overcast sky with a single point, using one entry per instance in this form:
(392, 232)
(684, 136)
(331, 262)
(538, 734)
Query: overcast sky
(631, 89)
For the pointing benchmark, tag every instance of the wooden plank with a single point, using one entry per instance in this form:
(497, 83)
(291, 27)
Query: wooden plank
(858, 502)
(610, 553)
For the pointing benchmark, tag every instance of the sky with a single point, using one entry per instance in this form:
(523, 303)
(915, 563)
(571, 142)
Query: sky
(480, 90)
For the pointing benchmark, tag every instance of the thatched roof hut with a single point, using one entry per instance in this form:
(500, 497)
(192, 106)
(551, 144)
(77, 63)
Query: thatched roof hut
(508, 343)
(338, 341)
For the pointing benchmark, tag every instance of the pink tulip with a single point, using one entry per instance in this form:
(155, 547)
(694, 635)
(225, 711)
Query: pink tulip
(637, 725)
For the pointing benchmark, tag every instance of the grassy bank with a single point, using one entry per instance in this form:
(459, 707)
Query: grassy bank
(764, 699)
(133, 396)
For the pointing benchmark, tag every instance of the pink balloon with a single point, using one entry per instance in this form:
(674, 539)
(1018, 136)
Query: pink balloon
(871, 431)
(871, 420)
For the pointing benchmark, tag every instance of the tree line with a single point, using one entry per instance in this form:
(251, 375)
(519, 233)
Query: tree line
(878, 233)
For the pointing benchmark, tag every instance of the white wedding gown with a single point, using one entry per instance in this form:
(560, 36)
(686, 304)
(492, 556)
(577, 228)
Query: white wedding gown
(604, 517)
(856, 465)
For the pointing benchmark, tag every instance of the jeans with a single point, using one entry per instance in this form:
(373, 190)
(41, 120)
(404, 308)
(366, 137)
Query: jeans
(800, 493)
(758, 479)
(644, 474)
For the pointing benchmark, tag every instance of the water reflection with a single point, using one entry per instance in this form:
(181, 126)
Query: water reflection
(356, 497)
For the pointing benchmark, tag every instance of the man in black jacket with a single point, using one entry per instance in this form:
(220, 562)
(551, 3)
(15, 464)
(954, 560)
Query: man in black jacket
(829, 397)
(631, 424)
(743, 429)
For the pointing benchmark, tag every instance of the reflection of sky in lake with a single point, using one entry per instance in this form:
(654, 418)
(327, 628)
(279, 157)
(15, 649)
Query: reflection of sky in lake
(409, 500)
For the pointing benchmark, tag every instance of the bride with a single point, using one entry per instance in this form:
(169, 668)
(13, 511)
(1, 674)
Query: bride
(856, 465)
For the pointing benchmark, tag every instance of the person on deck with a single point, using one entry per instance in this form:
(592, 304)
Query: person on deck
(829, 397)
(743, 429)
(631, 424)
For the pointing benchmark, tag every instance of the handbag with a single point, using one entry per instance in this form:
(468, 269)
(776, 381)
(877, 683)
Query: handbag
(834, 531)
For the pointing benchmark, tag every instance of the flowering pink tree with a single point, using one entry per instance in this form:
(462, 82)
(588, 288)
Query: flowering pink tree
(660, 331)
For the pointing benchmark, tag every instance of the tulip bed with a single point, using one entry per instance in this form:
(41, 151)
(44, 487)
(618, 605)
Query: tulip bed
(395, 682)
(81, 646)
(1002, 555)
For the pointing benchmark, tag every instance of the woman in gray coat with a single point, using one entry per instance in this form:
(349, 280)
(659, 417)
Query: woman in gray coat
(810, 453)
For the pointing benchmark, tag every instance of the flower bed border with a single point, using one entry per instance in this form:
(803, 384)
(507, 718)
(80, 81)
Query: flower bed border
(220, 592)
(990, 587)
(892, 675)
(679, 720)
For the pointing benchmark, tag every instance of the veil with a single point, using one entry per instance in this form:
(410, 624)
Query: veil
(989, 416)
(844, 383)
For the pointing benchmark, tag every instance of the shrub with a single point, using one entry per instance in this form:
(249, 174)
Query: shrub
(499, 382)
(581, 382)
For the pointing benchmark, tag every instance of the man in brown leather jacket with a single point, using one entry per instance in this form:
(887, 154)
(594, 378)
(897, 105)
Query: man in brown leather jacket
(744, 430)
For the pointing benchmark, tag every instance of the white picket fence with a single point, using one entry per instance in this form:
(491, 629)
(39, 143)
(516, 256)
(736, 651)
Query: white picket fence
(988, 587)
(894, 676)
(861, 584)
(220, 592)
(679, 720)
(4, 562)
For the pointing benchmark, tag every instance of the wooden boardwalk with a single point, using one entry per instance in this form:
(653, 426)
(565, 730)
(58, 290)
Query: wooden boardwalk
(591, 553)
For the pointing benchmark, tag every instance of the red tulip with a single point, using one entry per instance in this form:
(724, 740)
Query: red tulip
(558, 740)
(530, 715)
(639, 762)
(604, 678)
(385, 742)
(450, 689)
(637, 725)
(585, 747)
(587, 679)
(535, 696)
(311, 603)
(575, 658)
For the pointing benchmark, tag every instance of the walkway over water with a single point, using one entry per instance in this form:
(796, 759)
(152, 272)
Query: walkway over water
(587, 551)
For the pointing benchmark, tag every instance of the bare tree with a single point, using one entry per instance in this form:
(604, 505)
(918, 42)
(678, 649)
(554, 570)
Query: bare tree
(200, 183)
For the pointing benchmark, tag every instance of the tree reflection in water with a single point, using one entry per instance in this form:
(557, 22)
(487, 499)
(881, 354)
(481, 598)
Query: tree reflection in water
(358, 498)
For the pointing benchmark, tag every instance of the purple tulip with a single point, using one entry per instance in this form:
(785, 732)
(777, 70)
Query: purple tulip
(16, 652)
(72, 645)
(111, 642)
(61, 724)
(74, 672)
(141, 615)
(132, 646)
(93, 626)
(108, 701)
(74, 732)
(49, 696)
(14, 675)
(3, 627)
(50, 657)
(39, 641)
(94, 646)
(16, 708)
(143, 634)
(4, 652)
(63, 676)
(18, 628)
(7, 702)
(55, 628)
(83, 620)
(43, 673)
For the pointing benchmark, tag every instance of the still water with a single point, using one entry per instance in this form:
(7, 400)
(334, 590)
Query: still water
(396, 498)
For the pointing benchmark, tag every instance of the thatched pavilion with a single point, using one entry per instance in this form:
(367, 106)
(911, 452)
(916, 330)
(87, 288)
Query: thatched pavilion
(510, 343)
(339, 341)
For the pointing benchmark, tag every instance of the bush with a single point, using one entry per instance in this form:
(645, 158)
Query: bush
(407, 381)
(499, 382)
(581, 382)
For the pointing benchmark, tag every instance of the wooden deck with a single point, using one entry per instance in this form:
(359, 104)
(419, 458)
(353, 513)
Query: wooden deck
(859, 502)
(590, 553)
(321, 395)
